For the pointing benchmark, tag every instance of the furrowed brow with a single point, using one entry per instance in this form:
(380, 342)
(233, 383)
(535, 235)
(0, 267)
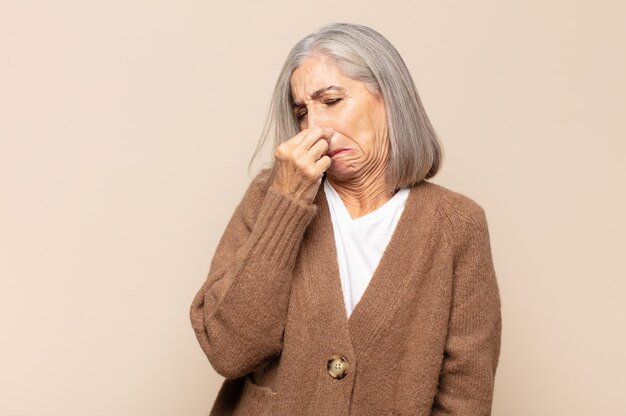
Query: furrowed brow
(317, 95)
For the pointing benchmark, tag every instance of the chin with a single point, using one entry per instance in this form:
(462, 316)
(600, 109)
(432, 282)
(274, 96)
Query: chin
(340, 172)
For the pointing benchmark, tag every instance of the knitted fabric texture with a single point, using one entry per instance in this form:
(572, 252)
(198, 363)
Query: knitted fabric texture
(423, 340)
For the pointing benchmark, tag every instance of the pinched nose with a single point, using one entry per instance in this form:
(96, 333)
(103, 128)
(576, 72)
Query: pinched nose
(312, 119)
(316, 118)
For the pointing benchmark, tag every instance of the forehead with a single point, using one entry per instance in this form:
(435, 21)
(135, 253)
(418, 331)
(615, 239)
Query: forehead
(316, 72)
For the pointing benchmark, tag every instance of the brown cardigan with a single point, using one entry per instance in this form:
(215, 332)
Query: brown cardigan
(423, 340)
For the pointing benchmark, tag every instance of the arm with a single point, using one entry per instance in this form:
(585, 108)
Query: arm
(239, 313)
(472, 349)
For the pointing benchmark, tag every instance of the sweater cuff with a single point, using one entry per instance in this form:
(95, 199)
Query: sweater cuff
(279, 228)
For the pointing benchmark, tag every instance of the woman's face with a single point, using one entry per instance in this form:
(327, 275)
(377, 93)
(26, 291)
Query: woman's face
(324, 96)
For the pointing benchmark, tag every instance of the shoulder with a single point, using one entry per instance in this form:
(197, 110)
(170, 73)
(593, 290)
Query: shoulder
(459, 215)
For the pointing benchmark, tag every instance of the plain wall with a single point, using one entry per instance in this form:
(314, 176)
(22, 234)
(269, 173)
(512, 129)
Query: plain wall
(125, 132)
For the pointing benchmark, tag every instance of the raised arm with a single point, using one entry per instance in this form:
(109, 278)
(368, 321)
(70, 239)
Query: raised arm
(472, 349)
(239, 313)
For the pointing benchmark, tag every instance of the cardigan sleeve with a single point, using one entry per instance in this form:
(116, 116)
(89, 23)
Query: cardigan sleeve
(472, 349)
(239, 313)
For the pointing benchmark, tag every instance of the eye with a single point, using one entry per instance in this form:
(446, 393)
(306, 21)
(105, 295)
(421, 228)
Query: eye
(300, 114)
(332, 101)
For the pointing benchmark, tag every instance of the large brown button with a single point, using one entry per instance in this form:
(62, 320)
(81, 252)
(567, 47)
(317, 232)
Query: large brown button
(337, 367)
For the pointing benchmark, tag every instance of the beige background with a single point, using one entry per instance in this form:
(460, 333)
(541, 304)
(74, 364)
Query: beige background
(126, 128)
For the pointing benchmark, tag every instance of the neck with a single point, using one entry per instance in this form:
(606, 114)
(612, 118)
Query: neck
(362, 195)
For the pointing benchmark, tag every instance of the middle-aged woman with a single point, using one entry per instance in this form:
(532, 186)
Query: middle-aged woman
(346, 283)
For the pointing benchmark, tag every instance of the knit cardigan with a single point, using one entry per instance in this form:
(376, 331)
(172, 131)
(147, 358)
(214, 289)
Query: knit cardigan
(423, 340)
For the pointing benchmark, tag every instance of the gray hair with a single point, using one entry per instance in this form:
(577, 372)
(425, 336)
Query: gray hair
(363, 54)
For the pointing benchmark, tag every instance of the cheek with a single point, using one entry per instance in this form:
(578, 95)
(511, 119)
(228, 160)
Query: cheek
(380, 128)
(360, 128)
(354, 127)
(374, 132)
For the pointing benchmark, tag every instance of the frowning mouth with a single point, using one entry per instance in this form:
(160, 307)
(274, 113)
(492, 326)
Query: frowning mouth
(336, 151)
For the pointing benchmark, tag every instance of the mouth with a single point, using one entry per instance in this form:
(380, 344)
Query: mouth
(336, 151)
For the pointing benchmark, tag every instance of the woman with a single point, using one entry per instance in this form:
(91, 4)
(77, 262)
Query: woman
(346, 283)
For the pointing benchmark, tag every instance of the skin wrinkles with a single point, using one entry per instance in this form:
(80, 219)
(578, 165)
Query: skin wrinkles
(323, 96)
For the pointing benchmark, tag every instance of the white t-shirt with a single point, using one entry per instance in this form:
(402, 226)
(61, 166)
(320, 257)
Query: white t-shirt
(361, 241)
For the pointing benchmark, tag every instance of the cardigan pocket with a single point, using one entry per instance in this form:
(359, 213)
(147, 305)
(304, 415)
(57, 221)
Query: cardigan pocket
(255, 400)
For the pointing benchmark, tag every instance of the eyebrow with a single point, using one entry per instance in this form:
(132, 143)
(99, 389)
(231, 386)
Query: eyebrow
(317, 95)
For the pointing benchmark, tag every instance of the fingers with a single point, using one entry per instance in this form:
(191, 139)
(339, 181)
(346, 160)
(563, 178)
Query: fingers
(310, 144)
(318, 150)
(303, 158)
(312, 135)
(323, 164)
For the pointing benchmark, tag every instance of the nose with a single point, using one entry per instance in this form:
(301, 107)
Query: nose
(316, 118)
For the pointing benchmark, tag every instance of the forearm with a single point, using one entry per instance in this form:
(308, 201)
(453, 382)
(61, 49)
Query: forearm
(239, 313)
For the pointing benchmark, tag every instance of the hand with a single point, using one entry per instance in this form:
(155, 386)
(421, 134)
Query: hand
(301, 162)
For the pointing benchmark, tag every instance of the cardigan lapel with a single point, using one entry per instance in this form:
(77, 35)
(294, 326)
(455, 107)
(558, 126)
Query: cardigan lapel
(403, 259)
(325, 305)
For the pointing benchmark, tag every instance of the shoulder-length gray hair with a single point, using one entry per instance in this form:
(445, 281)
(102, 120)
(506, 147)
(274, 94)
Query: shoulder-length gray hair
(365, 55)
